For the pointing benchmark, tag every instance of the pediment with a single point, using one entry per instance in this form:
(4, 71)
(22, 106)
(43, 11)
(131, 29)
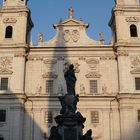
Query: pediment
(49, 75)
(5, 71)
(136, 71)
(93, 74)
(71, 22)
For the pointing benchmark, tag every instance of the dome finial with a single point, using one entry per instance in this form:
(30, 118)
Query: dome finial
(71, 11)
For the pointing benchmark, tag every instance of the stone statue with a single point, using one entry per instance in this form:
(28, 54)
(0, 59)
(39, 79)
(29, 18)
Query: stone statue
(54, 135)
(71, 12)
(70, 80)
(88, 135)
(101, 38)
(40, 37)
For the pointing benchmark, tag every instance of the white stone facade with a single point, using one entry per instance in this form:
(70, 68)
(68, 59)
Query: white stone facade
(111, 112)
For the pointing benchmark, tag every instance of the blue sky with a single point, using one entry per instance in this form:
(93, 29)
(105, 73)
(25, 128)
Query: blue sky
(47, 12)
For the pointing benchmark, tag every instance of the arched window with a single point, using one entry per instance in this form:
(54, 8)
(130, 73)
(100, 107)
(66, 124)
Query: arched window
(133, 30)
(9, 32)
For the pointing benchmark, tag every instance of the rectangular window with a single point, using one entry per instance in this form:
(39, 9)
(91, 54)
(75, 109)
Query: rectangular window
(4, 84)
(2, 115)
(137, 83)
(49, 86)
(138, 112)
(95, 117)
(48, 117)
(93, 86)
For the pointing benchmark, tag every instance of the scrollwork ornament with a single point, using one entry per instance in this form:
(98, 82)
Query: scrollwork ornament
(93, 74)
(50, 75)
(132, 19)
(9, 20)
(92, 62)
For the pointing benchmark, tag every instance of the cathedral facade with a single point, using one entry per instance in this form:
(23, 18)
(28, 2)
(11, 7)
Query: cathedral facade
(32, 77)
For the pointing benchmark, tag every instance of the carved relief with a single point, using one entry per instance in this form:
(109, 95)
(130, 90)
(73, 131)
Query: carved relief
(35, 58)
(119, 13)
(67, 35)
(76, 67)
(19, 55)
(82, 89)
(107, 58)
(39, 89)
(49, 75)
(122, 53)
(135, 65)
(93, 74)
(5, 65)
(92, 62)
(82, 58)
(132, 19)
(74, 35)
(135, 62)
(50, 61)
(104, 89)
(135, 71)
(9, 20)
(23, 14)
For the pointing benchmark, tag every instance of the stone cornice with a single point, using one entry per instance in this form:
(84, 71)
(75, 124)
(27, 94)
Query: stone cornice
(14, 9)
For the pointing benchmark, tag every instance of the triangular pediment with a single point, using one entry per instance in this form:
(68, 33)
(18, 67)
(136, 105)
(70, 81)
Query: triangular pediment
(5, 71)
(71, 22)
(135, 71)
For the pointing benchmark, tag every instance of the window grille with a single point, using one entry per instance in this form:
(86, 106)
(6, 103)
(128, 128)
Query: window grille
(95, 117)
(137, 83)
(48, 117)
(93, 86)
(49, 86)
(4, 84)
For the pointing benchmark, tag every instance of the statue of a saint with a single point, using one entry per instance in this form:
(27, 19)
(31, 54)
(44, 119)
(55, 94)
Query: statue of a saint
(70, 80)
(71, 12)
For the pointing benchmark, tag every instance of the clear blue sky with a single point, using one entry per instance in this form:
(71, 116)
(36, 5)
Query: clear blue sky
(47, 12)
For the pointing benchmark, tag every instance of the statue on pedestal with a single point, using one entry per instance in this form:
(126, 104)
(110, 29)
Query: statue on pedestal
(70, 80)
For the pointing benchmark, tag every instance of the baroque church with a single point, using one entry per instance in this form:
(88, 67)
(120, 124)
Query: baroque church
(32, 77)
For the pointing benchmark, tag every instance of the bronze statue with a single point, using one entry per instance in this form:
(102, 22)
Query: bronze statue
(88, 135)
(70, 80)
(54, 134)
